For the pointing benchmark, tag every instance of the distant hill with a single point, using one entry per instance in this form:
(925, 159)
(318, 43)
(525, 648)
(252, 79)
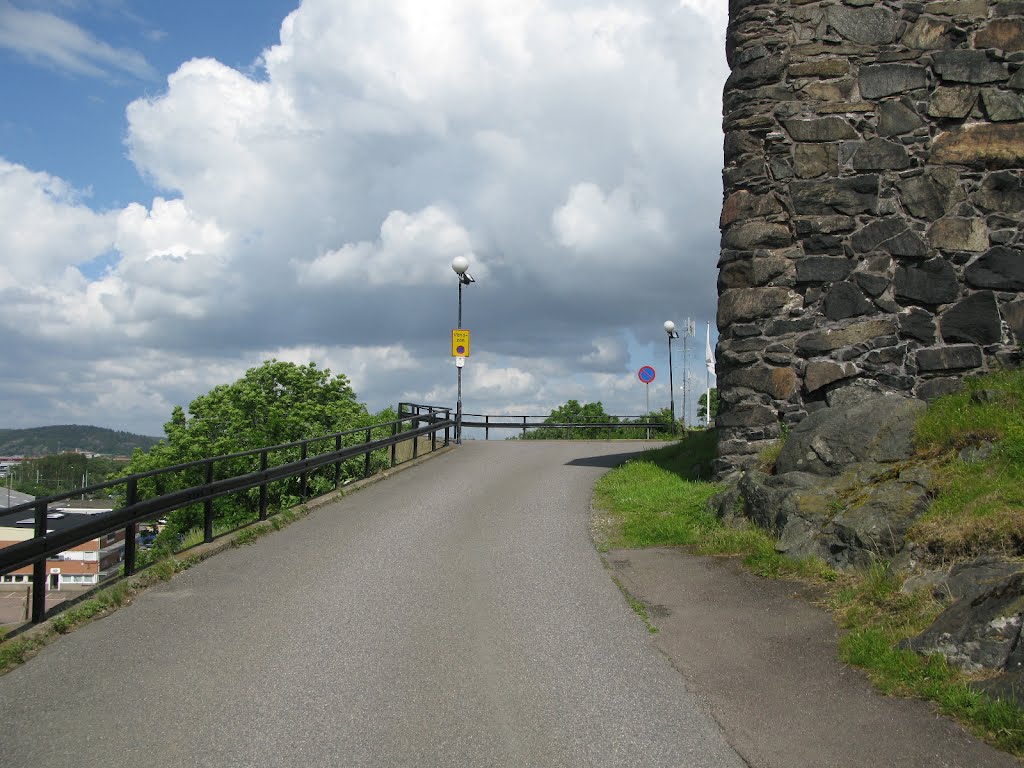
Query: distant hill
(47, 441)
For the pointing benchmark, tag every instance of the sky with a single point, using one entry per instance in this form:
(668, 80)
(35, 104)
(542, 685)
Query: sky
(188, 189)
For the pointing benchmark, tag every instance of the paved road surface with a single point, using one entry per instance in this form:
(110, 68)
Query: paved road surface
(454, 615)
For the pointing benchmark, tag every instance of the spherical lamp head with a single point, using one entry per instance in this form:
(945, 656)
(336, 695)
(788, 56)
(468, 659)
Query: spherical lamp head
(669, 327)
(461, 265)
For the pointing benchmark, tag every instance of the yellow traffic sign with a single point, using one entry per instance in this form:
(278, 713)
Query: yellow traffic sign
(460, 342)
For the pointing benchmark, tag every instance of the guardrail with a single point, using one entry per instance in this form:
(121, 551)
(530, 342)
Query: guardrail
(423, 421)
(524, 423)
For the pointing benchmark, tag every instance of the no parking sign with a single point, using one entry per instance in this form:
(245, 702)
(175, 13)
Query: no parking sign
(646, 374)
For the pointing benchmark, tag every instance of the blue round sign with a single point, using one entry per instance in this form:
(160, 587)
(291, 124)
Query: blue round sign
(646, 374)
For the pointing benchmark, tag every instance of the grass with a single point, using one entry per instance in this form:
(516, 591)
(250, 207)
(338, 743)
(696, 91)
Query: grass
(979, 505)
(657, 500)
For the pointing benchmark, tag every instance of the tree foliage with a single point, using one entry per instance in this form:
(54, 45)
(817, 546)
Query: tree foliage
(50, 475)
(274, 404)
(702, 411)
(579, 415)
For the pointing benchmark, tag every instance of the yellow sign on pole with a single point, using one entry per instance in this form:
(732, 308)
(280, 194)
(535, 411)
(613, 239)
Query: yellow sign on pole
(460, 342)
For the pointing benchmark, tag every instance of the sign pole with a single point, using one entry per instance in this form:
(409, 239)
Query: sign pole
(647, 413)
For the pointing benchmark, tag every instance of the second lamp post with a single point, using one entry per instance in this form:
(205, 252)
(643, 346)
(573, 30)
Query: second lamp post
(460, 264)
(670, 329)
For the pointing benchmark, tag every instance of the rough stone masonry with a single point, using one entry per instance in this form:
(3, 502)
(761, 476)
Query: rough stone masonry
(873, 216)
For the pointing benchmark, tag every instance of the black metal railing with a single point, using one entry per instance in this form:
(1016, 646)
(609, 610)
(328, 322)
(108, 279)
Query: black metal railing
(415, 423)
(523, 423)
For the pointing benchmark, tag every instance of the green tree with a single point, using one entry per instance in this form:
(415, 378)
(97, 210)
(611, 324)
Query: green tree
(573, 412)
(273, 404)
(702, 411)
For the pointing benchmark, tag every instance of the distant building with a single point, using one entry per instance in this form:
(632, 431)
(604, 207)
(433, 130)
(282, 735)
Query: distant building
(83, 566)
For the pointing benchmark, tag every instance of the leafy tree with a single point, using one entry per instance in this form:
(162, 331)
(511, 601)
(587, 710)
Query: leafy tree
(50, 475)
(573, 412)
(702, 411)
(273, 404)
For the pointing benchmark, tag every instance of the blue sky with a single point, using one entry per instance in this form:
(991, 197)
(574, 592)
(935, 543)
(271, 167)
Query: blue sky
(70, 123)
(192, 188)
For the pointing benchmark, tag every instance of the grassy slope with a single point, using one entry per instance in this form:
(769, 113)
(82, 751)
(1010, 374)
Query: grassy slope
(659, 500)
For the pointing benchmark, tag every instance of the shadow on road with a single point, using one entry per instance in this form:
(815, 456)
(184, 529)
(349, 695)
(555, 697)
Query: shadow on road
(608, 461)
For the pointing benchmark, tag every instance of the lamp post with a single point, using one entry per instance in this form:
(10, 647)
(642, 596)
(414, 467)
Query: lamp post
(670, 329)
(460, 265)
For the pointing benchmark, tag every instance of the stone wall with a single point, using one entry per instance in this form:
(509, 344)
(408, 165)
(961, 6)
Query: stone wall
(873, 223)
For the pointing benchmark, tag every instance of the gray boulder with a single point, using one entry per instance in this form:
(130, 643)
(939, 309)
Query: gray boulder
(879, 428)
(980, 633)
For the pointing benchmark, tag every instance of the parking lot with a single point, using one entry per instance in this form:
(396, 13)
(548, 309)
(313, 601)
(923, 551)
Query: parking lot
(15, 598)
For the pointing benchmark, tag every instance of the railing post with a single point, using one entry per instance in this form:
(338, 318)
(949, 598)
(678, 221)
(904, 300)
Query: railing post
(394, 446)
(304, 480)
(264, 462)
(337, 465)
(131, 496)
(39, 569)
(366, 463)
(433, 435)
(447, 429)
(415, 441)
(524, 426)
(208, 507)
(487, 428)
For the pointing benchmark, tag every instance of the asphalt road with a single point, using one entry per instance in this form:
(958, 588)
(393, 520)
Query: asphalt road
(454, 615)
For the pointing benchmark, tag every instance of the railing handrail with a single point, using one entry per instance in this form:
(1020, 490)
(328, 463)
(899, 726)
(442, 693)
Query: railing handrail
(28, 505)
(44, 543)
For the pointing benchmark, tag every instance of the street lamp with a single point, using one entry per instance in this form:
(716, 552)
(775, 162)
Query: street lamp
(670, 329)
(460, 265)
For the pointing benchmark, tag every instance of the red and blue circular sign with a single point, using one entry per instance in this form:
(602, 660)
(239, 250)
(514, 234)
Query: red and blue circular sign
(646, 374)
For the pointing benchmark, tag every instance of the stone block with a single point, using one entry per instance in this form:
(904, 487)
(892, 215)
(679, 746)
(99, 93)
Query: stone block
(868, 26)
(823, 269)
(879, 80)
(931, 282)
(872, 283)
(917, 323)
(757, 73)
(961, 357)
(756, 234)
(813, 160)
(830, 67)
(828, 340)
(1000, 268)
(1001, 106)
(1003, 34)
(896, 118)
(934, 388)
(777, 383)
(963, 66)
(745, 205)
(959, 8)
(1013, 313)
(820, 129)
(880, 155)
(891, 235)
(952, 101)
(929, 34)
(846, 300)
(1001, 191)
(746, 415)
(858, 194)
(984, 145)
(959, 234)
(973, 319)
(822, 373)
(750, 304)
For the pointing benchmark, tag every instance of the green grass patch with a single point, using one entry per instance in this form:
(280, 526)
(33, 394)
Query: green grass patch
(656, 500)
(979, 504)
(250, 534)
